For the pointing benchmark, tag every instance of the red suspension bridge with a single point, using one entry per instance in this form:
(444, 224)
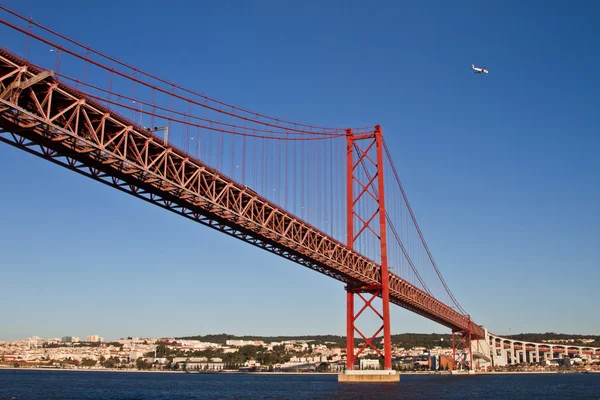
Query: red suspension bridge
(327, 198)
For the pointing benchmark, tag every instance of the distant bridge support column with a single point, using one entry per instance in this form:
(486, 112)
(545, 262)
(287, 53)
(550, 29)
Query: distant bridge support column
(370, 186)
(548, 355)
(513, 353)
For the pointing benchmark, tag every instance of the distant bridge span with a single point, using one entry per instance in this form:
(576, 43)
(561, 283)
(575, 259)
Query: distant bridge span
(501, 351)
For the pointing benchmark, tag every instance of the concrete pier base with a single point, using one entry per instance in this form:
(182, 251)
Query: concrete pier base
(369, 376)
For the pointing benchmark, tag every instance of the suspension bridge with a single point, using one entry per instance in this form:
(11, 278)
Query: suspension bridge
(327, 198)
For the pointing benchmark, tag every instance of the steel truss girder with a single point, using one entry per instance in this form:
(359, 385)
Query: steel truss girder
(117, 183)
(65, 125)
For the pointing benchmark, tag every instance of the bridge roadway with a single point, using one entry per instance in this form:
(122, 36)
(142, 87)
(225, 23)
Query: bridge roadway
(60, 124)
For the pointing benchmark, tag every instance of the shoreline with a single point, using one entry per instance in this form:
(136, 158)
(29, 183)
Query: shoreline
(286, 373)
(167, 372)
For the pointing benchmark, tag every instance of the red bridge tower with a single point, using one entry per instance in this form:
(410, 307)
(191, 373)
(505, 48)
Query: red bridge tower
(369, 183)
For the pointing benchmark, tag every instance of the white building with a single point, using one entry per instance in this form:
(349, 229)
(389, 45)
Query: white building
(369, 364)
(241, 343)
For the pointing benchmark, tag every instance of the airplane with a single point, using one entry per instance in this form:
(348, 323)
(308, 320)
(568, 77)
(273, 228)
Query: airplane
(478, 70)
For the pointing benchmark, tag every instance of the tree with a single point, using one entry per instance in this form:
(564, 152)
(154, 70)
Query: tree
(110, 363)
(140, 363)
(87, 362)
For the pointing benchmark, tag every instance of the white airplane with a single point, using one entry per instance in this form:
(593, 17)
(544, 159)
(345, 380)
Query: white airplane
(478, 70)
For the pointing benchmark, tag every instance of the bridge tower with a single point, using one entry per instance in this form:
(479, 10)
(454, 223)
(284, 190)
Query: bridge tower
(365, 153)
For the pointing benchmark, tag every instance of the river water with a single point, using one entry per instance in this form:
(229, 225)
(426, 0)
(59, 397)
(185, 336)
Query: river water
(67, 385)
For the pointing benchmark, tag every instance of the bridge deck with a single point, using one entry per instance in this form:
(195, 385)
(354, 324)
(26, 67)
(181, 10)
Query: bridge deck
(58, 123)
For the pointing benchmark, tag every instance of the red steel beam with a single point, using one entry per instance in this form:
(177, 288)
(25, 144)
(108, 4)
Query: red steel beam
(385, 282)
(350, 244)
(58, 123)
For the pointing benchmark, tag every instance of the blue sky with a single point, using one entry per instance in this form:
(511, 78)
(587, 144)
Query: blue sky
(502, 170)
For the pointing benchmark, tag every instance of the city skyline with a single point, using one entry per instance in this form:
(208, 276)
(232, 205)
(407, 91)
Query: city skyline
(224, 352)
(102, 339)
(501, 171)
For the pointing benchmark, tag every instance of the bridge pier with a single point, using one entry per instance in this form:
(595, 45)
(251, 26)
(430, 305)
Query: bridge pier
(369, 376)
